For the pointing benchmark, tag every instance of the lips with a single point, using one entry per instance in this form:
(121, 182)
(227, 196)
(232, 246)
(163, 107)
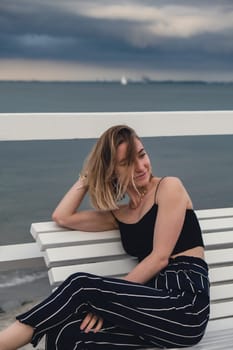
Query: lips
(140, 176)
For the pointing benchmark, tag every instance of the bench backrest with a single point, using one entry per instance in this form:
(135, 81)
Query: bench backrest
(101, 253)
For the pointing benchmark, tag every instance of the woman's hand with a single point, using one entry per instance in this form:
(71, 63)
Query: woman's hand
(91, 322)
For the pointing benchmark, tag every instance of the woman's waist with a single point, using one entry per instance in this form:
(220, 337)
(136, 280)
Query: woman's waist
(197, 252)
(188, 262)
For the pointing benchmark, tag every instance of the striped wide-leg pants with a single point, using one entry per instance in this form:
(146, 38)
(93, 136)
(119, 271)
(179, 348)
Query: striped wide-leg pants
(171, 311)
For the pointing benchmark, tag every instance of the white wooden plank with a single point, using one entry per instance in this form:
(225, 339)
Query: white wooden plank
(219, 339)
(65, 238)
(221, 292)
(44, 227)
(206, 225)
(221, 274)
(218, 238)
(221, 324)
(37, 126)
(217, 224)
(20, 256)
(220, 310)
(214, 213)
(66, 255)
(120, 267)
(215, 340)
(219, 256)
(50, 226)
(110, 268)
(216, 337)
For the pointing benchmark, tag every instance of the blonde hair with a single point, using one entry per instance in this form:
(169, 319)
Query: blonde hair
(105, 189)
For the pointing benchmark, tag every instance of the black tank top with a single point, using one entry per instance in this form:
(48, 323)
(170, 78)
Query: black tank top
(137, 238)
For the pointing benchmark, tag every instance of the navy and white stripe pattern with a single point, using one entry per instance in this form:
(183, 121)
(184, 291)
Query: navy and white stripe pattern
(171, 311)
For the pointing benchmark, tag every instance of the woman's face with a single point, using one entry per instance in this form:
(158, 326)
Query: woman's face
(141, 165)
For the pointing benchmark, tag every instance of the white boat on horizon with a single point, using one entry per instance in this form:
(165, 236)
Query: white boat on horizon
(124, 80)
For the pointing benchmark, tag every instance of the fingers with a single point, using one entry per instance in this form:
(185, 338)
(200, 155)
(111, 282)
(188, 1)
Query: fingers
(99, 325)
(86, 321)
(91, 322)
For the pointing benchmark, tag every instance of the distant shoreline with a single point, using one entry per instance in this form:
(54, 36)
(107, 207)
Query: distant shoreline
(115, 81)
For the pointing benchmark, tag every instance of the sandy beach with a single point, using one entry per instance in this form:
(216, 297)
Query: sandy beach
(17, 299)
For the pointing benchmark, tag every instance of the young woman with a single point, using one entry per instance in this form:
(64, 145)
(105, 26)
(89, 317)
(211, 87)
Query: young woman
(164, 301)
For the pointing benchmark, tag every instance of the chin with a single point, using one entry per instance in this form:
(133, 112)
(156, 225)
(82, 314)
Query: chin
(143, 182)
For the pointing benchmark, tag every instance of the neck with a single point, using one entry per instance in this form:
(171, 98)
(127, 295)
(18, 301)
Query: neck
(137, 196)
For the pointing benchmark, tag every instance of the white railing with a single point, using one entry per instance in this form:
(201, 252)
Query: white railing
(53, 126)
(44, 126)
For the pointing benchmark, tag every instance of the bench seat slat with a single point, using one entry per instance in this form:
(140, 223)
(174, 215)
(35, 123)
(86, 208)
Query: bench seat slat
(77, 253)
(211, 341)
(221, 274)
(211, 225)
(214, 212)
(215, 340)
(94, 251)
(112, 268)
(220, 325)
(220, 256)
(120, 268)
(44, 227)
(221, 292)
(217, 239)
(50, 226)
(65, 238)
(223, 309)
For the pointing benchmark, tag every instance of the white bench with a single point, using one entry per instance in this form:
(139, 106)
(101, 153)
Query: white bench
(66, 251)
(74, 251)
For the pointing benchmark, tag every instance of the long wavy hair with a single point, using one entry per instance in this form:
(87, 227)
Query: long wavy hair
(105, 188)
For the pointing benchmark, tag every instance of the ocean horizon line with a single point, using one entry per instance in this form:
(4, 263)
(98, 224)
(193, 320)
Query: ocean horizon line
(116, 81)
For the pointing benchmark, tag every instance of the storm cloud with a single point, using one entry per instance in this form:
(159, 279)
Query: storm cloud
(182, 35)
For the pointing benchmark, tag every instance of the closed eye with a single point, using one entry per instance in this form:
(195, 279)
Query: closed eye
(141, 155)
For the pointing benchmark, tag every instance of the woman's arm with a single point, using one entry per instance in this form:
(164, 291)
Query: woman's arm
(172, 204)
(66, 213)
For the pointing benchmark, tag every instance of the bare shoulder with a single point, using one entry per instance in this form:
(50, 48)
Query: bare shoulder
(171, 182)
(171, 188)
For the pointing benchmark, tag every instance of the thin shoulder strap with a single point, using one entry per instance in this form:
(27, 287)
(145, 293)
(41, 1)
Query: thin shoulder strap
(157, 187)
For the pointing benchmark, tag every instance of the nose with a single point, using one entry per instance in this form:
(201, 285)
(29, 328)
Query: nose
(138, 165)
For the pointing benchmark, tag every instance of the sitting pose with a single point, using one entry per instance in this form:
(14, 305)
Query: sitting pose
(164, 301)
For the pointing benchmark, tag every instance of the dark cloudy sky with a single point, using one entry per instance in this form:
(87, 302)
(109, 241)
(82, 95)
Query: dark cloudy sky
(105, 39)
